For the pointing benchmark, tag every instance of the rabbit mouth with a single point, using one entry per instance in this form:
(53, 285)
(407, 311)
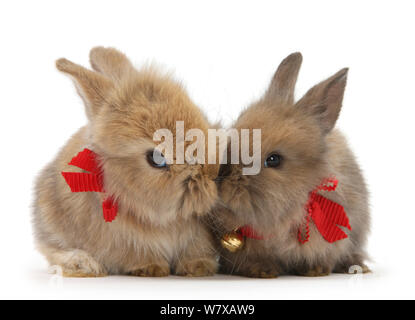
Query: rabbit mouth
(199, 196)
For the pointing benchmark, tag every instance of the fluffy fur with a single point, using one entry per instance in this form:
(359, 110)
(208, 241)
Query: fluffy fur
(157, 230)
(273, 201)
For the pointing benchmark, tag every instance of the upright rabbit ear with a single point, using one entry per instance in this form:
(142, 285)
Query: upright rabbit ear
(283, 83)
(325, 99)
(91, 86)
(110, 62)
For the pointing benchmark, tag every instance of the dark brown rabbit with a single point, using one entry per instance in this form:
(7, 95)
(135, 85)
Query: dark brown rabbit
(300, 148)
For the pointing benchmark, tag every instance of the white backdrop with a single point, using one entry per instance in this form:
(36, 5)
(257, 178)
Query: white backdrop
(225, 52)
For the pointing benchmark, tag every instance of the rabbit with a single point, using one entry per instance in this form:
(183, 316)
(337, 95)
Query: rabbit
(158, 229)
(299, 149)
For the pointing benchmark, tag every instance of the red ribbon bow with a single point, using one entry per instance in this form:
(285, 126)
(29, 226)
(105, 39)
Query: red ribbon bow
(327, 215)
(93, 181)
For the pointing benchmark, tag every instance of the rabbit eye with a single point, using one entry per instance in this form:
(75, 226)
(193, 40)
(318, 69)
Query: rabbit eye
(156, 159)
(273, 161)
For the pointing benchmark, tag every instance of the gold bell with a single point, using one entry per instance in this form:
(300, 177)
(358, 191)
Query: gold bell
(232, 241)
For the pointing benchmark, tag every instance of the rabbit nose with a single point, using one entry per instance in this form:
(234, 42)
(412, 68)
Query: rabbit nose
(210, 170)
(224, 171)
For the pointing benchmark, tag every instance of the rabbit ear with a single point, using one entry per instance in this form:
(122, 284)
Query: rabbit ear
(325, 99)
(283, 83)
(110, 62)
(91, 86)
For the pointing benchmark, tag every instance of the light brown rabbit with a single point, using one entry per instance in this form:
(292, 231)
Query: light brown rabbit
(300, 148)
(157, 230)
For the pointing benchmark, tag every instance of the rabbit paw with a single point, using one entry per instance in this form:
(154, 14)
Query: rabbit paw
(73, 273)
(352, 268)
(316, 271)
(260, 270)
(76, 263)
(151, 270)
(197, 268)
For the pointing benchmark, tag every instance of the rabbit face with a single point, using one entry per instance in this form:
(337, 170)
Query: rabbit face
(125, 110)
(292, 157)
(125, 135)
(293, 150)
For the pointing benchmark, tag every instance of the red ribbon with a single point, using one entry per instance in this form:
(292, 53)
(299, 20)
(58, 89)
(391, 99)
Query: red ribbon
(327, 215)
(249, 232)
(90, 182)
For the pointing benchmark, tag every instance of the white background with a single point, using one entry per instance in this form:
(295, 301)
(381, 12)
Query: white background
(225, 52)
